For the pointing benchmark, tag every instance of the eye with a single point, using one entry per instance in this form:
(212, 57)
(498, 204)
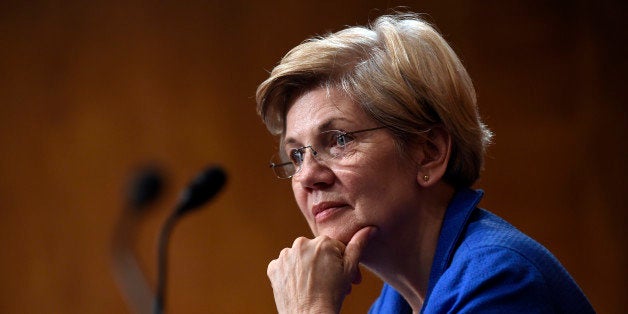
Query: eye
(296, 156)
(342, 139)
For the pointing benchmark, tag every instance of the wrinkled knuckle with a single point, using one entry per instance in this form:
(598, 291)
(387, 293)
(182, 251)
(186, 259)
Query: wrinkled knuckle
(284, 252)
(272, 268)
(323, 238)
(298, 242)
(323, 241)
(327, 244)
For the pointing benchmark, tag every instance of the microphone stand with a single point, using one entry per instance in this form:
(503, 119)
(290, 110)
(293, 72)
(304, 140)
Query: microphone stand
(162, 262)
(205, 186)
(145, 187)
(127, 271)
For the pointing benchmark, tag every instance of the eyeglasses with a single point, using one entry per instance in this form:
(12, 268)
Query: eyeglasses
(330, 144)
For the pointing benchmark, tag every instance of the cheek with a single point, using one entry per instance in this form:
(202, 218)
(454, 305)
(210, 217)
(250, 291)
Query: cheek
(300, 197)
(386, 182)
(373, 175)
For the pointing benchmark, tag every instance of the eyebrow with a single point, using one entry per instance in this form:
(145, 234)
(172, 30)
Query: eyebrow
(325, 126)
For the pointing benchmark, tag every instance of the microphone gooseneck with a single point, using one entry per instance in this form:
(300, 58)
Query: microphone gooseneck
(203, 188)
(143, 189)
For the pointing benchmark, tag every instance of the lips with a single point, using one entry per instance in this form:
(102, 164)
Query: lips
(324, 210)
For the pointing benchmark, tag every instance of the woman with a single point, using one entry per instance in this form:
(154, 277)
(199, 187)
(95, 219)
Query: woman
(381, 138)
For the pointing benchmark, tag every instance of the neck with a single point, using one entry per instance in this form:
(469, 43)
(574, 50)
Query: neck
(402, 255)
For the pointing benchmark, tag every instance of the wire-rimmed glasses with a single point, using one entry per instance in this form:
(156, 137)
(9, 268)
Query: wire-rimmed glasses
(330, 144)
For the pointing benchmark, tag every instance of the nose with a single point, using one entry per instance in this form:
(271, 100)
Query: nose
(314, 173)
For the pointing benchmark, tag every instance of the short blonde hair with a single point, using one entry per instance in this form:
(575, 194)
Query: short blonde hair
(401, 72)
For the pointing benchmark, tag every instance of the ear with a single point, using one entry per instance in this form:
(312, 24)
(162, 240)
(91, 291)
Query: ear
(433, 156)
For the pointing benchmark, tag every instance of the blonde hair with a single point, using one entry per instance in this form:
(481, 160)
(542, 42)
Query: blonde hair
(401, 72)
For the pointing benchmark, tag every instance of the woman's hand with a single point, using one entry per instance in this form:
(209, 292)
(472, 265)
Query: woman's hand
(314, 276)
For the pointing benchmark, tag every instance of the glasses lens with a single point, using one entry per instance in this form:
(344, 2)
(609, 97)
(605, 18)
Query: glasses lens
(282, 168)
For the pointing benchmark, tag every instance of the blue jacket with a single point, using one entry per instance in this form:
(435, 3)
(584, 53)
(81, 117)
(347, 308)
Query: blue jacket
(483, 264)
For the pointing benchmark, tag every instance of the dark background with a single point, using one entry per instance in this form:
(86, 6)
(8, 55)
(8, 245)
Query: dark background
(89, 90)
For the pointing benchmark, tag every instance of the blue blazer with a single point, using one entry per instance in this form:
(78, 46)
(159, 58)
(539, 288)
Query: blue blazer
(483, 264)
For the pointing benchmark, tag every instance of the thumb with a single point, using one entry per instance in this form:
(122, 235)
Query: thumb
(354, 248)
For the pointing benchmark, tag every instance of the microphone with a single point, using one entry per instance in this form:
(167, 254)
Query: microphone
(206, 185)
(144, 188)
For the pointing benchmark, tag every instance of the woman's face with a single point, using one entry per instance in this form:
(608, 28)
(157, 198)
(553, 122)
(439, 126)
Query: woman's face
(372, 184)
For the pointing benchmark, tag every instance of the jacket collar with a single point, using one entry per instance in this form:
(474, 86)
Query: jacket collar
(454, 223)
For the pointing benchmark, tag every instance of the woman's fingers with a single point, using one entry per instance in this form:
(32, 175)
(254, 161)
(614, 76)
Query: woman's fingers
(316, 273)
(309, 276)
(353, 252)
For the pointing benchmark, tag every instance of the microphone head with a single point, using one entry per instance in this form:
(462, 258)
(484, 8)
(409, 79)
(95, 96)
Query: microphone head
(204, 187)
(145, 187)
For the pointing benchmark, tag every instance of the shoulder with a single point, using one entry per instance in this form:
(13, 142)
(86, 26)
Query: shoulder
(488, 235)
(497, 268)
(491, 278)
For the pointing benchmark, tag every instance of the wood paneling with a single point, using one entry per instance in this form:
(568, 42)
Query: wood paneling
(91, 89)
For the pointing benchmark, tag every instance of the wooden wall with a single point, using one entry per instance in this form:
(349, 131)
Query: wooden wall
(89, 90)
